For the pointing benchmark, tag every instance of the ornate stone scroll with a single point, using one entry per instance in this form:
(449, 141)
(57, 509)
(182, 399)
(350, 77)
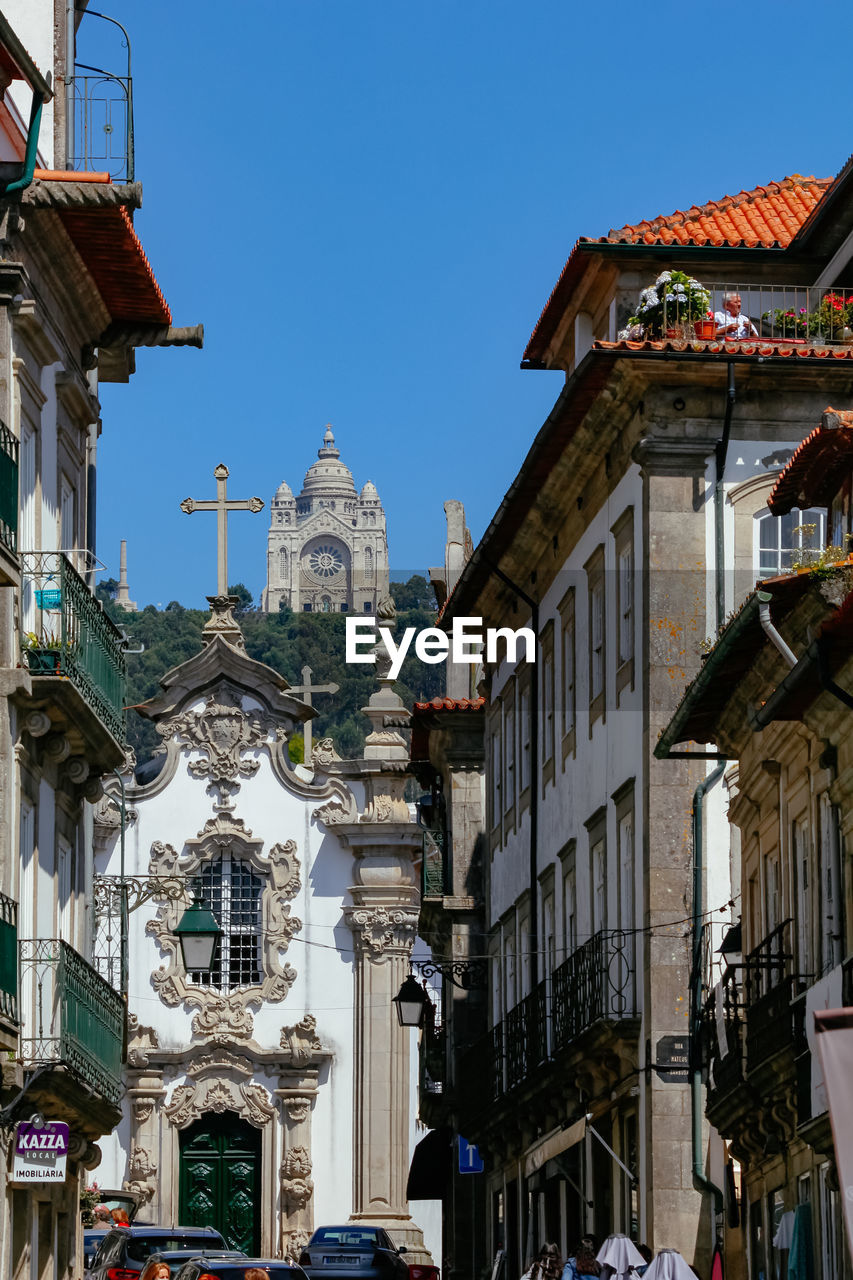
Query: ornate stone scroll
(225, 1018)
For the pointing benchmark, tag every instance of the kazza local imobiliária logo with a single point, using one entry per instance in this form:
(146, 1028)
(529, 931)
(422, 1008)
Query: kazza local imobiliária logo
(466, 644)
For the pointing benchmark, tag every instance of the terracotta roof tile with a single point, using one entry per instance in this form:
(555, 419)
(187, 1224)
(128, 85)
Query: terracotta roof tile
(108, 244)
(815, 469)
(451, 704)
(741, 346)
(766, 217)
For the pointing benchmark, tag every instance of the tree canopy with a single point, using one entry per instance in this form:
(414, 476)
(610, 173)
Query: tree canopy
(286, 642)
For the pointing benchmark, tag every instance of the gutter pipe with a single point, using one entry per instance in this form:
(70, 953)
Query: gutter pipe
(700, 1181)
(20, 184)
(719, 499)
(764, 598)
(534, 774)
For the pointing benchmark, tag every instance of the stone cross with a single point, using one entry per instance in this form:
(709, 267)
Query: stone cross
(221, 506)
(306, 689)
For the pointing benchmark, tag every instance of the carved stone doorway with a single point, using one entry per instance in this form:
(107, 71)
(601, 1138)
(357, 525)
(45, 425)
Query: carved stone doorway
(220, 1183)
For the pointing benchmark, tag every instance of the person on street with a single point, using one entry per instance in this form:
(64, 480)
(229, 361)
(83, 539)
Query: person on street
(583, 1261)
(548, 1264)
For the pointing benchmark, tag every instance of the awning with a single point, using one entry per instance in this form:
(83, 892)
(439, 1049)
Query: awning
(546, 1148)
(431, 1167)
(834, 1040)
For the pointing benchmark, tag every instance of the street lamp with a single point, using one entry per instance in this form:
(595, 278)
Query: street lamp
(198, 933)
(411, 1002)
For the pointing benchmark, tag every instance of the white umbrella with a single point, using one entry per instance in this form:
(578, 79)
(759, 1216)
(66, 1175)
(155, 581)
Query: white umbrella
(619, 1254)
(669, 1265)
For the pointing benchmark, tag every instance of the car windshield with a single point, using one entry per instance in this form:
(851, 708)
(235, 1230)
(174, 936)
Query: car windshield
(255, 1271)
(345, 1238)
(140, 1248)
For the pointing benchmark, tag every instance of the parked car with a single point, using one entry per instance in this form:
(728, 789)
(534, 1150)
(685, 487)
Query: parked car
(124, 1251)
(176, 1258)
(92, 1237)
(343, 1253)
(424, 1271)
(209, 1266)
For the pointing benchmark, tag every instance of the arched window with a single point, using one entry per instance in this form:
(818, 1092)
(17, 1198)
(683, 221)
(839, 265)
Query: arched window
(368, 564)
(229, 888)
(282, 563)
(783, 539)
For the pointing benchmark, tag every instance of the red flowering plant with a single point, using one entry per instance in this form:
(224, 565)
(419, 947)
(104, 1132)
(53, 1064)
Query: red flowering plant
(832, 316)
(787, 322)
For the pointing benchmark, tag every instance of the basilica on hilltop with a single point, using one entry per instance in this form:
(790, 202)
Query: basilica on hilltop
(327, 550)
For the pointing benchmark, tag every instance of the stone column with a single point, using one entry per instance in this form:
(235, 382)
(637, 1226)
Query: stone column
(145, 1091)
(296, 1092)
(383, 919)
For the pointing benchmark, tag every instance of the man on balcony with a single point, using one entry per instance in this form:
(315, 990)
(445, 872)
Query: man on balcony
(731, 322)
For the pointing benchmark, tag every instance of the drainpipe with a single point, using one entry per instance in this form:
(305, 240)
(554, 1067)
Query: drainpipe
(700, 1181)
(719, 497)
(20, 184)
(764, 598)
(534, 774)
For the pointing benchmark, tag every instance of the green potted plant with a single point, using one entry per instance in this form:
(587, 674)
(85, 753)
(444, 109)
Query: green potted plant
(670, 307)
(43, 652)
(832, 319)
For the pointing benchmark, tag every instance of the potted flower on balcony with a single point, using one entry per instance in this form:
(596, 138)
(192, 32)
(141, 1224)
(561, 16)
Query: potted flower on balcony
(43, 652)
(832, 319)
(671, 306)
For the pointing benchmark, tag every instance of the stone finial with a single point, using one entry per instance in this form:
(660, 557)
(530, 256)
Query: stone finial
(223, 623)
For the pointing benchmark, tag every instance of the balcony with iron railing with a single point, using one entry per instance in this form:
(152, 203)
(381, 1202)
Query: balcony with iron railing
(433, 868)
(595, 982)
(722, 1039)
(593, 990)
(770, 986)
(70, 1018)
(102, 103)
(75, 654)
(9, 452)
(8, 960)
(778, 314)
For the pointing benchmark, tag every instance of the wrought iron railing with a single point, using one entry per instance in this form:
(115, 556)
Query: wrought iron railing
(481, 1072)
(432, 1057)
(8, 958)
(110, 932)
(432, 866)
(9, 452)
(526, 1036)
(785, 314)
(74, 638)
(722, 1035)
(596, 981)
(103, 111)
(771, 986)
(70, 1016)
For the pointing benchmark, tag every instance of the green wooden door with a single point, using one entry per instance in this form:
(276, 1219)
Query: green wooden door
(220, 1179)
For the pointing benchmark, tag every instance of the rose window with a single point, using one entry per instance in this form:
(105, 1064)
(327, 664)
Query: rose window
(325, 561)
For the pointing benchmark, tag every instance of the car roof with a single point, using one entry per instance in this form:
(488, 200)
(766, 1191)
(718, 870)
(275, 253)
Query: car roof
(139, 1228)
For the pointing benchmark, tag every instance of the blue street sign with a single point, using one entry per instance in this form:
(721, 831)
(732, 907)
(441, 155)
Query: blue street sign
(470, 1160)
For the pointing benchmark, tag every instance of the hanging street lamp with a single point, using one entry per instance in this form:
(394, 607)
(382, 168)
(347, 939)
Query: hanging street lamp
(198, 933)
(411, 1001)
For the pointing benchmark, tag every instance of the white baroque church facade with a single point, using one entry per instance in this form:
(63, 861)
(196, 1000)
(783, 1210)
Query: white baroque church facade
(327, 550)
(278, 1092)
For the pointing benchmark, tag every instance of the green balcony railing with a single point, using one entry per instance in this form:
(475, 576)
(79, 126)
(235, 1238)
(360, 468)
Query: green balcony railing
(432, 867)
(70, 1016)
(74, 638)
(8, 489)
(8, 958)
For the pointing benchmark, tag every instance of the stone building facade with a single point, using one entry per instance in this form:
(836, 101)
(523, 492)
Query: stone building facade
(289, 1054)
(774, 698)
(77, 296)
(636, 524)
(327, 550)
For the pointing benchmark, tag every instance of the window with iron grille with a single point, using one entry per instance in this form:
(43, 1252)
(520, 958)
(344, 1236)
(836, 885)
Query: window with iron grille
(229, 888)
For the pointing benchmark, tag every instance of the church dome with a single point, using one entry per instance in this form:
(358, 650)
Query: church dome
(369, 492)
(283, 493)
(328, 477)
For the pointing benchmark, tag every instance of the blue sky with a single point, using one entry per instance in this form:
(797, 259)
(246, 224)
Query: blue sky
(367, 204)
